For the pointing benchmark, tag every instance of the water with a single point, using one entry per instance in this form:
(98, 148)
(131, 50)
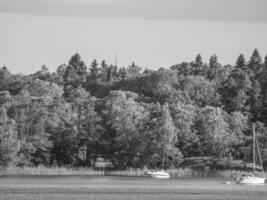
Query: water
(102, 188)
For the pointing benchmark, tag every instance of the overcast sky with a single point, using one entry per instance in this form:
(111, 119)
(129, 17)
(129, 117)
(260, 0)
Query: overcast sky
(233, 10)
(153, 33)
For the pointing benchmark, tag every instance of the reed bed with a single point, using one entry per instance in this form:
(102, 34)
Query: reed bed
(127, 172)
(174, 173)
(212, 173)
(41, 170)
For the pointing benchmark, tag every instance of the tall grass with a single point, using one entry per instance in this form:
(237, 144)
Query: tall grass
(127, 172)
(41, 170)
(212, 173)
(174, 173)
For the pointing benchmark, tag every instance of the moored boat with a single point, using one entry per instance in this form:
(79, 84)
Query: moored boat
(253, 179)
(158, 174)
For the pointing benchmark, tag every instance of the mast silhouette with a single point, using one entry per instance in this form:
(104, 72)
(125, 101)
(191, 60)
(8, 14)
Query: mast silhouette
(254, 144)
(116, 60)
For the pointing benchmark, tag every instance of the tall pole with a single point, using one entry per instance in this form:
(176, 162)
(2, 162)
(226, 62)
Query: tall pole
(116, 60)
(254, 144)
(259, 153)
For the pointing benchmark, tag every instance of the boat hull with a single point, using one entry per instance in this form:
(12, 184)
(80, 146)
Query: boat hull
(161, 176)
(158, 174)
(252, 180)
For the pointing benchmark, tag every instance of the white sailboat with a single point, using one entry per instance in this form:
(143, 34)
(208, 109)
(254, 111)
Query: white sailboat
(253, 179)
(158, 174)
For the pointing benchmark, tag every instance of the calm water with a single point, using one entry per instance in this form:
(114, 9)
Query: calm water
(100, 188)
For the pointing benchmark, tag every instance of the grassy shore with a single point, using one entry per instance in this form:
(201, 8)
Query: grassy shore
(41, 170)
(181, 172)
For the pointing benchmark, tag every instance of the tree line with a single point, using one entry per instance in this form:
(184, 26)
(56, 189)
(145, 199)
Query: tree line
(132, 117)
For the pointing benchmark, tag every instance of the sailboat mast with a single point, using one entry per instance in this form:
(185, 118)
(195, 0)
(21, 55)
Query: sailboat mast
(259, 153)
(116, 60)
(254, 142)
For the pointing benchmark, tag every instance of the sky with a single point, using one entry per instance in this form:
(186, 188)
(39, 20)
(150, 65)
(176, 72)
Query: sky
(152, 33)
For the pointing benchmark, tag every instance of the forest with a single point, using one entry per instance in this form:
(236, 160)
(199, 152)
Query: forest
(133, 117)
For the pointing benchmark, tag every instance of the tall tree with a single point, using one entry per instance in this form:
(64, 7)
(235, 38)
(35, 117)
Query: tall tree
(8, 139)
(213, 130)
(94, 71)
(255, 100)
(122, 74)
(31, 115)
(238, 125)
(76, 73)
(184, 116)
(255, 62)
(5, 77)
(213, 61)
(241, 61)
(167, 131)
(235, 91)
(133, 70)
(61, 70)
(125, 121)
(265, 62)
(9, 143)
(263, 82)
(112, 74)
(103, 71)
(197, 66)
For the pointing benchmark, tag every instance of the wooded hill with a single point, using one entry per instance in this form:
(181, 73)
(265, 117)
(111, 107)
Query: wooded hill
(131, 117)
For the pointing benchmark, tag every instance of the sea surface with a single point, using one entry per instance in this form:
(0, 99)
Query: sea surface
(120, 188)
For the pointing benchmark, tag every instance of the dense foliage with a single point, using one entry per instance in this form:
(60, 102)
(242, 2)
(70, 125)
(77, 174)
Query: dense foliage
(130, 117)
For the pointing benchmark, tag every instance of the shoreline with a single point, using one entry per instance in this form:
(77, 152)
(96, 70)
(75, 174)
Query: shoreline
(67, 171)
